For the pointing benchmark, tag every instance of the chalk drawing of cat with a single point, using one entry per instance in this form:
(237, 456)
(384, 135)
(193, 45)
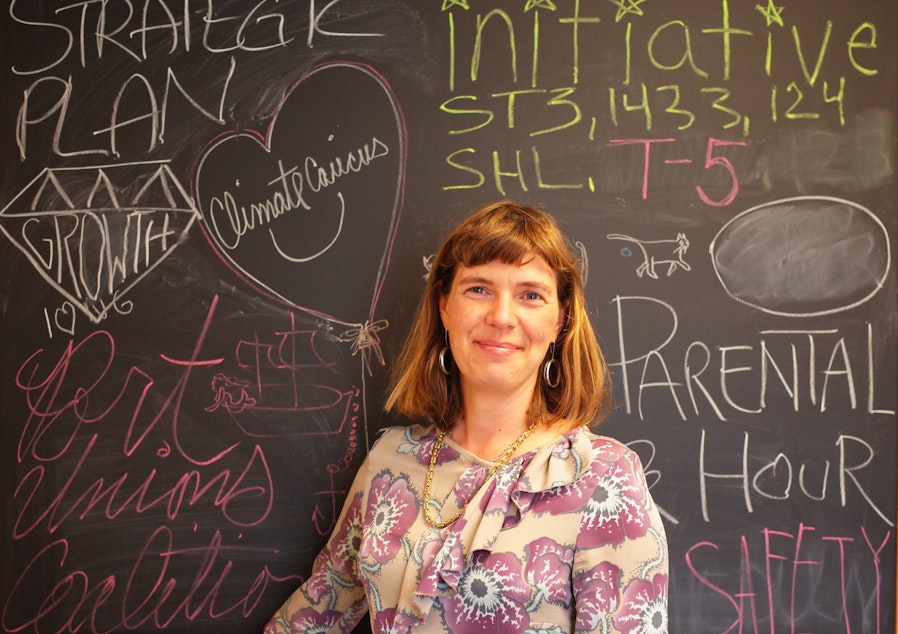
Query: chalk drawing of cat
(658, 252)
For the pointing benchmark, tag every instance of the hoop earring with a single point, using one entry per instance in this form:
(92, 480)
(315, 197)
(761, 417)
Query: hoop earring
(552, 369)
(441, 357)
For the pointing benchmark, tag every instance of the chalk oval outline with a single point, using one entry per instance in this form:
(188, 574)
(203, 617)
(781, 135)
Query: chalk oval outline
(795, 199)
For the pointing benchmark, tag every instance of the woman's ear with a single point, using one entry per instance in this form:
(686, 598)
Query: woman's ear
(562, 321)
(442, 304)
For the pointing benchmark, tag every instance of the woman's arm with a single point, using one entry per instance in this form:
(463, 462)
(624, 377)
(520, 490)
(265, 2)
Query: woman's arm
(620, 574)
(332, 599)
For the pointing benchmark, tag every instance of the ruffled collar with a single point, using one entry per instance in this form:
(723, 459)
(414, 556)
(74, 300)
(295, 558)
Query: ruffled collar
(498, 504)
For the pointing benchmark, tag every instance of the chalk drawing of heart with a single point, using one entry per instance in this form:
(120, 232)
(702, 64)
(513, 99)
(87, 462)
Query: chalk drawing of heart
(307, 212)
(64, 318)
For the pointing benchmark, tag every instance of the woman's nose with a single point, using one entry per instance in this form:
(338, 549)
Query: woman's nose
(502, 311)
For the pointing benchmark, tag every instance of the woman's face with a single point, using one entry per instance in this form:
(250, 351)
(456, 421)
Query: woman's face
(501, 319)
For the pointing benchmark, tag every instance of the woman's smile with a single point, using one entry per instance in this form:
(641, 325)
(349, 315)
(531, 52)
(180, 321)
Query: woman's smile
(498, 347)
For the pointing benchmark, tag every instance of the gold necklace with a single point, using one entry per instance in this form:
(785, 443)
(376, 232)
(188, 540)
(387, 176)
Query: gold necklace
(499, 462)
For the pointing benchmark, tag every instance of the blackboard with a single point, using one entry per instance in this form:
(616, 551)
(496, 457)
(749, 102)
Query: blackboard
(217, 217)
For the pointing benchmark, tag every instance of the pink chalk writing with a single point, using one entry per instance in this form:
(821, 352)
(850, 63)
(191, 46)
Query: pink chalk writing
(104, 446)
(776, 578)
(163, 595)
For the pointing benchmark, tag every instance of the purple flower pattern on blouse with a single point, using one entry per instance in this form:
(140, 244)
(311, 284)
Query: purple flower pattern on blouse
(441, 561)
(644, 607)
(490, 596)
(391, 509)
(549, 569)
(338, 559)
(612, 499)
(562, 539)
(422, 448)
(385, 622)
(597, 595)
(616, 509)
(309, 621)
(348, 538)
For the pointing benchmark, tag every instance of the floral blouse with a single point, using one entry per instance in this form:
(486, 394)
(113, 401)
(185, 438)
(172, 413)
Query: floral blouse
(565, 538)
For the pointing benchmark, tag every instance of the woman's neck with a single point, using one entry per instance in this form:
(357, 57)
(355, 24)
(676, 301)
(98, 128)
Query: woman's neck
(488, 425)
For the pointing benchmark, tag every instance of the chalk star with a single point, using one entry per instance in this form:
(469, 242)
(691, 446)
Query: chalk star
(448, 4)
(540, 4)
(772, 13)
(627, 7)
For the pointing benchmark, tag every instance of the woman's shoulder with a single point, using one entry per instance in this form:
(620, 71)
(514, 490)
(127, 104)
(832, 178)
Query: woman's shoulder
(605, 444)
(413, 431)
(401, 438)
(583, 437)
(608, 452)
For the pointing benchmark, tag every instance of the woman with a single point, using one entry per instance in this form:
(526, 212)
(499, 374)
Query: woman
(505, 513)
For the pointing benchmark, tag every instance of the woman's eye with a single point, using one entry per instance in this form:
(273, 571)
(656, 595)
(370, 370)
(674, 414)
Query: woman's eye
(533, 296)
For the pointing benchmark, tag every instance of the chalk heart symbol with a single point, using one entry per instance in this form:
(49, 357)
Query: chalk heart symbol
(64, 318)
(307, 212)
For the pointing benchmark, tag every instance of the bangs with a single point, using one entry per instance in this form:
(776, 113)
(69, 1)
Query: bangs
(480, 249)
(507, 236)
(507, 233)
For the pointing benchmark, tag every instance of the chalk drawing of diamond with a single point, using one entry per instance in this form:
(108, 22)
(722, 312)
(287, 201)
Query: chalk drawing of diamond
(94, 232)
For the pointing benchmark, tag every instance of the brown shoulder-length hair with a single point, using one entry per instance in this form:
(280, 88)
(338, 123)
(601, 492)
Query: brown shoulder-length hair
(508, 232)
